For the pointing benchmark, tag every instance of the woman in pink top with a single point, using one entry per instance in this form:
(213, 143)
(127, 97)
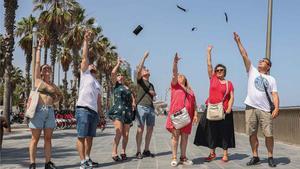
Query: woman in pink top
(181, 96)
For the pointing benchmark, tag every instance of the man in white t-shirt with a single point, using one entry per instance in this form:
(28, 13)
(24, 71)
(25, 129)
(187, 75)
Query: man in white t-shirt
(87, 108)
(262, 103)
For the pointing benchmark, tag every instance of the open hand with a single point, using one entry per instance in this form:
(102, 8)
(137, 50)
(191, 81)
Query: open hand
(119, 60)
(236, 37)
(146, 54)
(275, 113)
(41, 42)
(195, 119)
(87, 35)
(209, 48)
(176, 58)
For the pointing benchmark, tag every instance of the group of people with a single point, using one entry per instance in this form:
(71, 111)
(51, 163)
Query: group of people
(262, 106)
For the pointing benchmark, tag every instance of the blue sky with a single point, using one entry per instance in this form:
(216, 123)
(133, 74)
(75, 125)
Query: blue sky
(168, 30)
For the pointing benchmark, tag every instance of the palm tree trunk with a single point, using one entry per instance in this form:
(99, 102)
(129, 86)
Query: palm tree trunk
(27, 69)
(45, 55)
(54, 43)
(65, 101)
(76, 67)
(10, 15)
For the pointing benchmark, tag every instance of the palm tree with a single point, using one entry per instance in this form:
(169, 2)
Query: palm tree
(2, 51)
(17, 79)
(73, 39)
(9, 23)
(57, 15)
(24, 30)
(65, 60)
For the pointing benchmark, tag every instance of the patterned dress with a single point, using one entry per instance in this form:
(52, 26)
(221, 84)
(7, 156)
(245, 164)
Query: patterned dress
(122, 108)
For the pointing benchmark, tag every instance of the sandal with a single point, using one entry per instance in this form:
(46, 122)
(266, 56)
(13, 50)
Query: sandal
(116, 158)
(225, 159)
(123, 156)
(211, 157)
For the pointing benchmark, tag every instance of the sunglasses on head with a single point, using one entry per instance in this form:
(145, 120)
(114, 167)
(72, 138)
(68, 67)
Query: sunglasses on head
(219, 70)
(264, 60)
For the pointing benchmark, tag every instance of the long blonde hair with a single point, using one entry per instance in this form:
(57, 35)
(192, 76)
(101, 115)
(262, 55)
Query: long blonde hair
(186, 83)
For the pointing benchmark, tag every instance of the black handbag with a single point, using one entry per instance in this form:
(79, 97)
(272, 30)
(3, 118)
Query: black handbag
(272, 106)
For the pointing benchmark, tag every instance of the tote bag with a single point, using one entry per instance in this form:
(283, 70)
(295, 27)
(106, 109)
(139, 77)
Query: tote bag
(215, 112)
(32, 102)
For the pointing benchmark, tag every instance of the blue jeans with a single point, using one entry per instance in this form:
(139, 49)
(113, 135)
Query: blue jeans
(86, 122)
(43, 118)
(145, 115)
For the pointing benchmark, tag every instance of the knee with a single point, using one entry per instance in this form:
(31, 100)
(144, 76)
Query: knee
(149, 129)
(35, 140)
(47, 139)
(140, 130)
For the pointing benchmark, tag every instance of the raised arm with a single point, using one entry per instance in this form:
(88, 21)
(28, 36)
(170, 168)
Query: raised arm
(114, 71)
(85, 50)
(38, 61)
(141, 65)
(275, 96)
(243, 51)
(209, 65)
(175, 69)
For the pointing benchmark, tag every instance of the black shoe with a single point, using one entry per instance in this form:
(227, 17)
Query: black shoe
(116, 158)
(92, 163)
(139, 155)
(271, 162)
(148, 154)
(123, 157)
(253, 161)
(50, 165)
(32, 166)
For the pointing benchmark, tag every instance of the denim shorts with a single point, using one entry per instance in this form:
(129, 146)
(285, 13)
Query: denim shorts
(43, 118)
(145, 115)
(87, 122)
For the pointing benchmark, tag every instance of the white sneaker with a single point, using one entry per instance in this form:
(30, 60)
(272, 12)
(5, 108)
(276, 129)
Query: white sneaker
(174, 163)
(85, 165)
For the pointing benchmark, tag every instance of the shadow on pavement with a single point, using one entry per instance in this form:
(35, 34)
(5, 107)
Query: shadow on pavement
(238, 156)
(163, 153)
(199, 160)
(21, 155)
(278, 160)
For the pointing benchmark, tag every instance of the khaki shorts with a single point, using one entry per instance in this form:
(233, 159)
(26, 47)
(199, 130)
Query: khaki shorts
(255, 117)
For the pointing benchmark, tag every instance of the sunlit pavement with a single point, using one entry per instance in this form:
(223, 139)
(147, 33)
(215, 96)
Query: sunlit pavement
(15, 151)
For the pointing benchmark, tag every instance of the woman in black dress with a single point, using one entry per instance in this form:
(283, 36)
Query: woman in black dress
(121, 113)
(219, 133)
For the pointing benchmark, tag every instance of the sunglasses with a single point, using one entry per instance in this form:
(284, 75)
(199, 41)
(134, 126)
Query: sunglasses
(93, 71)
(219, 70)
(267, 62)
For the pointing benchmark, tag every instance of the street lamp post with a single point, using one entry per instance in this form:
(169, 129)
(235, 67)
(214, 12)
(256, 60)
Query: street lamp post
(34, 46)
(269, 29)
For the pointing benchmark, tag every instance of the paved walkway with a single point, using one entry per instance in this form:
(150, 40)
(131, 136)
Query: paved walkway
(15, 152)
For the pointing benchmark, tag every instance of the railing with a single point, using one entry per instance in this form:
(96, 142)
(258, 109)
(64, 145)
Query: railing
(286, 126)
